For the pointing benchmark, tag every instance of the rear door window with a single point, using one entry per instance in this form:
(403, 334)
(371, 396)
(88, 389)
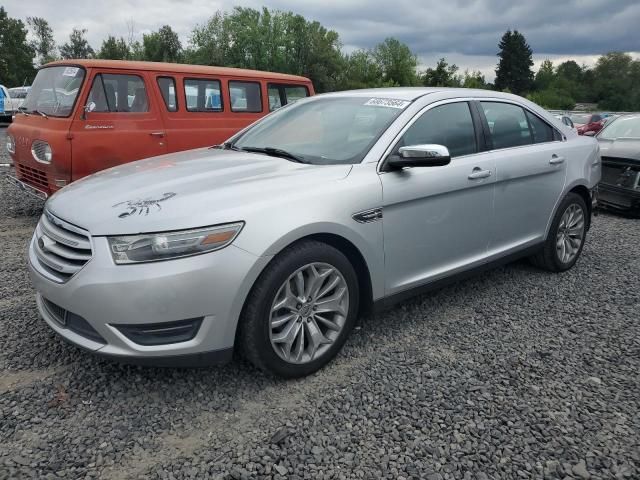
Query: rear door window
(114, 92)
(167, 86)
(245, 96)
(203, 95)
(542, 132)
(508, 124)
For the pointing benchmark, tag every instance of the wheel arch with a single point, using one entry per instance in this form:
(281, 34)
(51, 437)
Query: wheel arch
(579, 189)
(340, 243)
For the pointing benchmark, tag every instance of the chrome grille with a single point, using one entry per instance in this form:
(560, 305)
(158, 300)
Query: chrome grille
(32, 176)
(61, 249)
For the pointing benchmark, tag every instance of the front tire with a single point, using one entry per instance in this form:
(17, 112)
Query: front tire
(566, 236)
(300, 310)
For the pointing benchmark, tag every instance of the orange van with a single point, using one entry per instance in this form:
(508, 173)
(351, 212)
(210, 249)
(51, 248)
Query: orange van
(82, 116)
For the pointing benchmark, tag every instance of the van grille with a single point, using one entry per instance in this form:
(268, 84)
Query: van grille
(33, 176)
(61, 249)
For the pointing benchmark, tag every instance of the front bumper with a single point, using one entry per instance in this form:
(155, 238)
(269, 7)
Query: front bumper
(26, 188)
(619, 198)
(211, 286)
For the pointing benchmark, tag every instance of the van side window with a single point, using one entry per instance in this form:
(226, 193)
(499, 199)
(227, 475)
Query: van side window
(203, 95)
(508, 124)
(167, 87)
(119, 93)
(295, 93)
(245, 96)
(280, 95)
(275, 101)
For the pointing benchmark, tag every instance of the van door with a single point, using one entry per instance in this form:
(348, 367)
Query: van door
(123, 123)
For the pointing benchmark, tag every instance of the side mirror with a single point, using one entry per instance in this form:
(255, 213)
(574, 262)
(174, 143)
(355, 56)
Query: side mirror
(420, 156)
(88, 108)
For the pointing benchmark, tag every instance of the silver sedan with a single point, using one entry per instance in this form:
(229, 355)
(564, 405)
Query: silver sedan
(276, 241)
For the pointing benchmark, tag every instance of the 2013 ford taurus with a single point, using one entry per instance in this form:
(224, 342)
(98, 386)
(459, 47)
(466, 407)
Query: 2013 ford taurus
(274, 242)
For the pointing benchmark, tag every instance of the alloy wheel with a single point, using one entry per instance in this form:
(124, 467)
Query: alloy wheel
(308, 313)
(570, 233)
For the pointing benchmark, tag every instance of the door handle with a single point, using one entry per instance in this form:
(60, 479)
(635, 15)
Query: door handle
(157, 134)
(478, 173)
(556, 160)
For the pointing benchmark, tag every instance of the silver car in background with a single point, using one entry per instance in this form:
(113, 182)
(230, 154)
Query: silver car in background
(276, 241)
(620, 146)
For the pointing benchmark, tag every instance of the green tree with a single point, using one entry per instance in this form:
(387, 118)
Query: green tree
(78, 46)
(514, 68)
(360, 70)
(209, 42)
(443, 75)
(43, 43)
(16, 55)
(552, 99)
(114, 49)
(269, 40)
(162, 46)
(474, 80)
(617, 81)
(396, 62)
(545, 76)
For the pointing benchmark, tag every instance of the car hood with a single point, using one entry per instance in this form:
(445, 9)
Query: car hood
(184, 190)
(623, 148)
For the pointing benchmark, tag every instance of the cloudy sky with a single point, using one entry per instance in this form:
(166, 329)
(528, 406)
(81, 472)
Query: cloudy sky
(466, 32)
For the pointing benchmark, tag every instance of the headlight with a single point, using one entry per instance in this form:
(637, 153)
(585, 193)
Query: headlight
(41, 151)
(11, 144)
(164, 246)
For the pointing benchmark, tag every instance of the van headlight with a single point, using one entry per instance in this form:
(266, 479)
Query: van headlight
(11, 144)
(41, 151)
(154, 247)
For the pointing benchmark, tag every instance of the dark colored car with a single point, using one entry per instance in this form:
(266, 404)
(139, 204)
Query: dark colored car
(587, 123)
(620, 150)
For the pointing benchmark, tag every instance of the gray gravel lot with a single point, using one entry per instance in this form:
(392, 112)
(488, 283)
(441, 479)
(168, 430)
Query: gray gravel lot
(514, 374)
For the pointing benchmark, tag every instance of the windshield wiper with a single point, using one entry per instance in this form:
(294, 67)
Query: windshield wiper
(39, 113)
(23, 110)
(275, 152)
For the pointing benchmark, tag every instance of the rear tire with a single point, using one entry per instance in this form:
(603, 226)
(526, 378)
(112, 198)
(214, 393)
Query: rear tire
(281, 305)
(566, 236)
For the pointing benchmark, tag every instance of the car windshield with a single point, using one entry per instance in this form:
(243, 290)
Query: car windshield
(322, 131)
(54, 91)
(580, 118)
(622, 128)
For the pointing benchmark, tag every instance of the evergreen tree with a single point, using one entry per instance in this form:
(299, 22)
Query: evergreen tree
(78, 46)
(514, 68)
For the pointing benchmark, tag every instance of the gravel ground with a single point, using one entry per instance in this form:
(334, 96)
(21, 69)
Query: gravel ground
(514, 374)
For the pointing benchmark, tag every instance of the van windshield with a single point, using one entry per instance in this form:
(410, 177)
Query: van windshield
(54, 91)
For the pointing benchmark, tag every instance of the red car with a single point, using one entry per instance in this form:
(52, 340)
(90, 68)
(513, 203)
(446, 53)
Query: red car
(587, 123)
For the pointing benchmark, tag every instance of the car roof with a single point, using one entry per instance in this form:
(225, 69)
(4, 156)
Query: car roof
(412, 93)
(177, 68)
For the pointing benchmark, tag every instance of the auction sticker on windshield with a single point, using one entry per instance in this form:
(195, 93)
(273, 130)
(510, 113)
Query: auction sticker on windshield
(70, 71)
(387, 102)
